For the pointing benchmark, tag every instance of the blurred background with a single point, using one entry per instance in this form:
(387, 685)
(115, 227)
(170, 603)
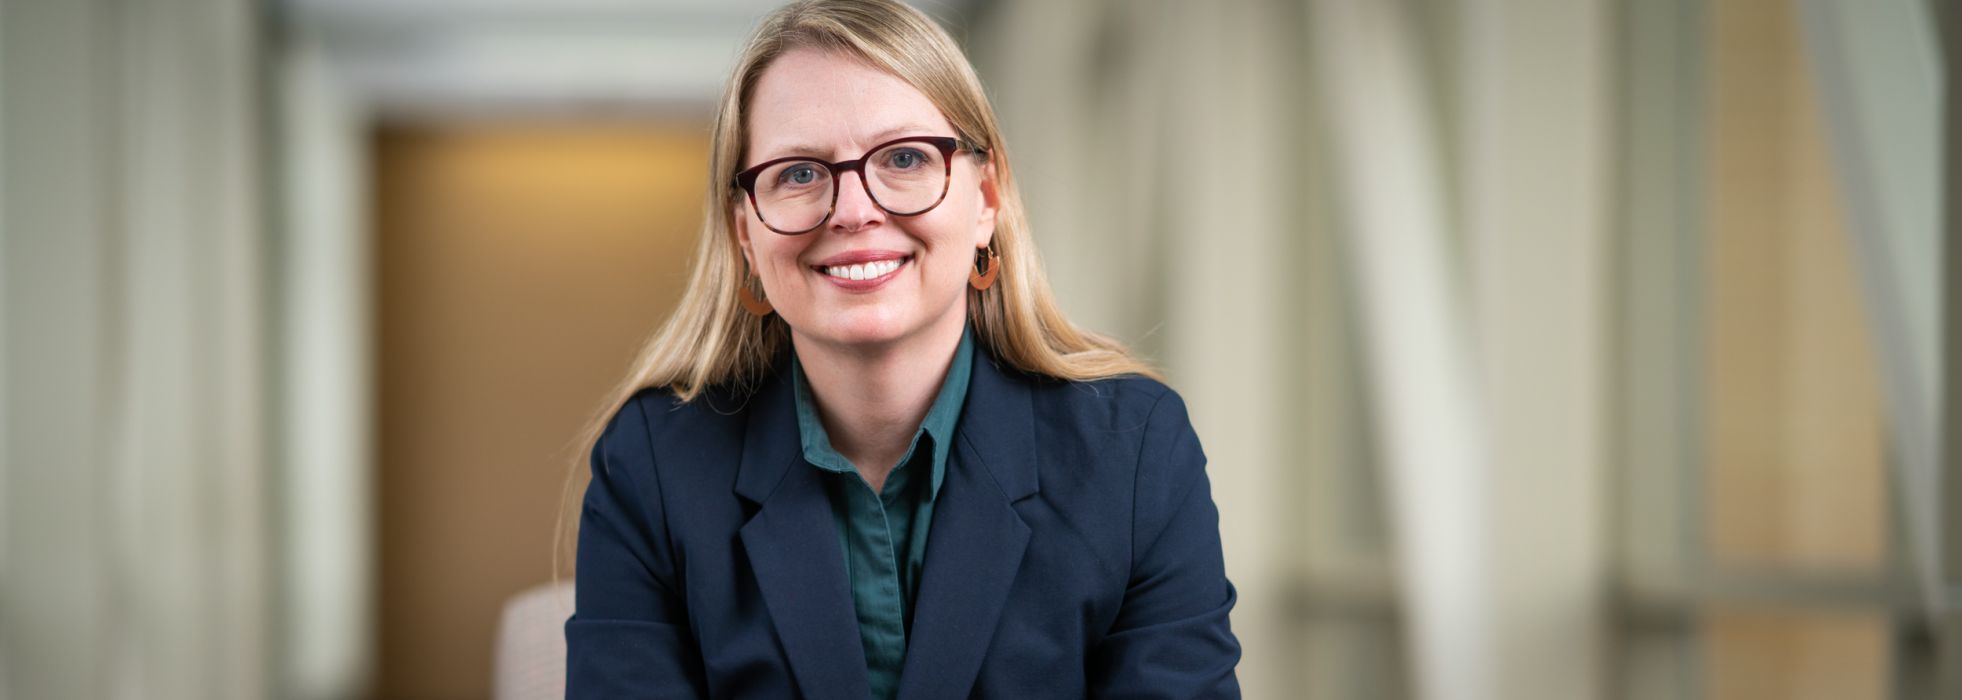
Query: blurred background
(1541, 348)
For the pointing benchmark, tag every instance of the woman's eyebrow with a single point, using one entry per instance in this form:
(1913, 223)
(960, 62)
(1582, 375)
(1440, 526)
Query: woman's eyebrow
(898, 132)
(807, 150)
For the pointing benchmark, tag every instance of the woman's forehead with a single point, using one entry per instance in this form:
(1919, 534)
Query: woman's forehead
(829, 105)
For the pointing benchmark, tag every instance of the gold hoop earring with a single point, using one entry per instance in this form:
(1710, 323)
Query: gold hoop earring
(983, 279)
(755, 307)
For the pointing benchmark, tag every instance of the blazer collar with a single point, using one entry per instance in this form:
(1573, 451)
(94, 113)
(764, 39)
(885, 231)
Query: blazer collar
(792, 546)
(770, 435)
(998, 425)
(974, 546)
(976, 542)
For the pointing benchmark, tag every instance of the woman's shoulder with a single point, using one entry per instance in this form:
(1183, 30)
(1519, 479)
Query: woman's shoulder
(673, 446)
(1127, 434)
(663, 406)
(1115, 398)
(1124, 421)
(654, 415)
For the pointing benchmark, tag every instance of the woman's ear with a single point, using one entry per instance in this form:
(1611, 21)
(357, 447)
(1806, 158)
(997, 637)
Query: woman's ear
(741, 222)
(984, 219)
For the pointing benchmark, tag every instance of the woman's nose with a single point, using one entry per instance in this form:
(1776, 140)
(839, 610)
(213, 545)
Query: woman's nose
(855, 208)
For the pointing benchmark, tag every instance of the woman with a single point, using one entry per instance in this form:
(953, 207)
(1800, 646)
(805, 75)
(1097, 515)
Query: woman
(868, 456)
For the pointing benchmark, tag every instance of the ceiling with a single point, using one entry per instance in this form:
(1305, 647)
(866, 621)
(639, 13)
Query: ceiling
(498, 57)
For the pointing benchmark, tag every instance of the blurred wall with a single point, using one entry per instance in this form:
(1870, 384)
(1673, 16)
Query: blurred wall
(1366, 241)
(519, 266)
(1591, 304)
(133, 425)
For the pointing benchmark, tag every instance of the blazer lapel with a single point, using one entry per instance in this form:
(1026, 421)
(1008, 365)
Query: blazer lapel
(976, 542)
(792, 543)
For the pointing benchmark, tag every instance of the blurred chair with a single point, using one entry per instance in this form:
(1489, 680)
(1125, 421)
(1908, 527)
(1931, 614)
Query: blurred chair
(530, 661)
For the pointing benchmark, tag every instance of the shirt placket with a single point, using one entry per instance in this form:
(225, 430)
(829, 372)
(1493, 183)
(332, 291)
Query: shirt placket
(874, 558)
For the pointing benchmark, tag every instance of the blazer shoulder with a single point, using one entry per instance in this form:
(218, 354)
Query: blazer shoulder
(1136, 390)
(655, 416)
(662, 410)
(1123, 401)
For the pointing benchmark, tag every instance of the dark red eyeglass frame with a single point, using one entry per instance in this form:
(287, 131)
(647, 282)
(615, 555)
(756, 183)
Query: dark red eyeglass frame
(948, 146)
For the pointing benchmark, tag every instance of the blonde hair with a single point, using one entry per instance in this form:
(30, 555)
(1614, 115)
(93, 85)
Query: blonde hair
(711, 341)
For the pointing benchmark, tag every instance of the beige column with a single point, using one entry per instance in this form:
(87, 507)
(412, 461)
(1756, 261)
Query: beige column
(1535, 126)
(134, 464)
(1397, 228)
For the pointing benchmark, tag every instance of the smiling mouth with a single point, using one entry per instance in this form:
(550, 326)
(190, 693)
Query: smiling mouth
(863, 271)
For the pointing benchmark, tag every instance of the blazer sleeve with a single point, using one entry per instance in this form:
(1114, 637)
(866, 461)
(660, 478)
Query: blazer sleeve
(628, 635)
(1171, 638)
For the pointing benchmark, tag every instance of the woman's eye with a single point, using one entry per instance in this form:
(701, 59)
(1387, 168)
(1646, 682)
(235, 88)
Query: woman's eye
(798, 175)
(905, 159)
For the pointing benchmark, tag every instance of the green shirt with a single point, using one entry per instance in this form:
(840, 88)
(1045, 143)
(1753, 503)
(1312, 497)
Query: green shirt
(884, 534)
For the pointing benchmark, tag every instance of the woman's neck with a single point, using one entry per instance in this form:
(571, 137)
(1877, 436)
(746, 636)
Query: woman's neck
(872, 400)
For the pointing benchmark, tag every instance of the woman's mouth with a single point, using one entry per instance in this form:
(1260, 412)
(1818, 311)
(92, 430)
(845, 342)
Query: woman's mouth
(866, 276)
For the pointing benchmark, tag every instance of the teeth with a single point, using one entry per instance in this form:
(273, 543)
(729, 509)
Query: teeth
(864, 271)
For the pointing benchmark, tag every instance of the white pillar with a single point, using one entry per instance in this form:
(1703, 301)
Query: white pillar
(135, 456)
(326, 493)
(1534, 130)
(1393, 184)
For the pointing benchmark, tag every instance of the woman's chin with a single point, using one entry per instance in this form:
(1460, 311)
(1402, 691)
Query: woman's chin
(863, 327)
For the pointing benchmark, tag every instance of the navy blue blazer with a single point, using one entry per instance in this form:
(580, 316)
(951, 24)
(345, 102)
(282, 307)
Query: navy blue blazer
(1074, 553)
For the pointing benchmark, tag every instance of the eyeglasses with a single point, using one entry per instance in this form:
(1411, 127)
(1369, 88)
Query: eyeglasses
(904, 177)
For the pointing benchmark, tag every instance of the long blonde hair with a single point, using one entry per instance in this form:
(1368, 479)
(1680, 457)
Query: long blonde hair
(710, 340)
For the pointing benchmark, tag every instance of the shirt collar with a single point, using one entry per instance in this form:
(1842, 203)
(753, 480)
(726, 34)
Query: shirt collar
(938, 425)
